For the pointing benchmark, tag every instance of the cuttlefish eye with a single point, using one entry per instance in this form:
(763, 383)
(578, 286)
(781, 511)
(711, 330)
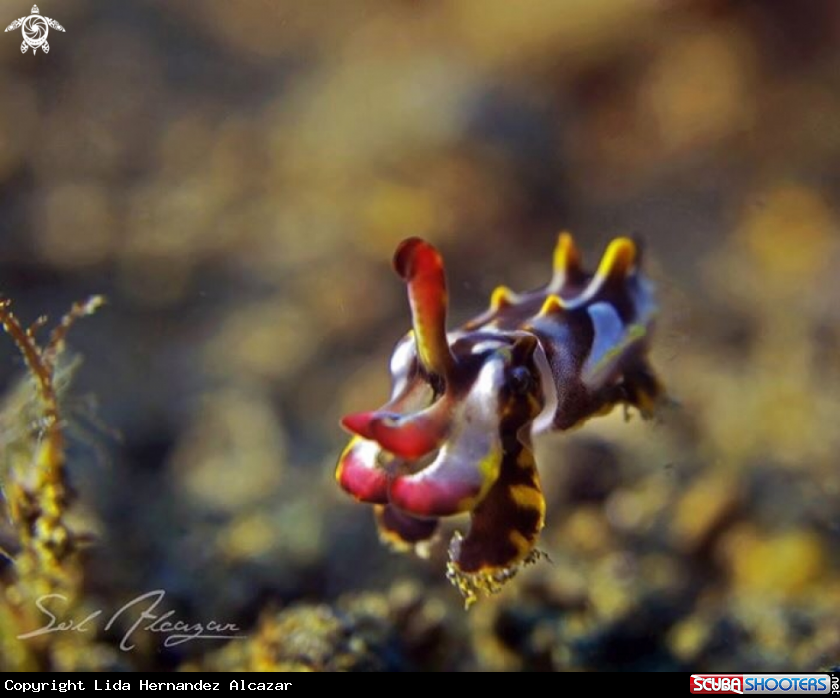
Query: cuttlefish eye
(520, 380)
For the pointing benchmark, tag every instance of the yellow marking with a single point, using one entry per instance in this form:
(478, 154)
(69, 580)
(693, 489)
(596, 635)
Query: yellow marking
(388, 536)
(525, 459)
(527, 497)
(634, 333)
(552, 304)
(566, 255)
(505, 354)
(394, 541)
(501, 297)
(431, 340)
(521, 543)
(340, 467)
(618, 259)
(489, 467)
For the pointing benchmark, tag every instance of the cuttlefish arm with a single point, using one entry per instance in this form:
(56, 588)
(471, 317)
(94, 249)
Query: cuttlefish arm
(504, 529)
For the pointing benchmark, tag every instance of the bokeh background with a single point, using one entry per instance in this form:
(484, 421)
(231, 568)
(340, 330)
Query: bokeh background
(234, 177)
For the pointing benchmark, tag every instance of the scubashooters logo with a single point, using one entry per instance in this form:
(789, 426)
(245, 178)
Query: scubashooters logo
(35, 28)
(738, 684)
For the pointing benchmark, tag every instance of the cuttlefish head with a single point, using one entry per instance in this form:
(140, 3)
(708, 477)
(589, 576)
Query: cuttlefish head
(460, 407)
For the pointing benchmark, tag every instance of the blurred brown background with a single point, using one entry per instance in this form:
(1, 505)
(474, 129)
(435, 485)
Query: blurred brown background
(234, 177)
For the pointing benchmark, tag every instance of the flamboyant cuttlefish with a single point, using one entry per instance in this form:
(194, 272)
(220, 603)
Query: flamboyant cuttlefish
(455, 436)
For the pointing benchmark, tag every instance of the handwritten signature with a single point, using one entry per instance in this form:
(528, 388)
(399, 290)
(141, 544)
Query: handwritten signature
(177, 631)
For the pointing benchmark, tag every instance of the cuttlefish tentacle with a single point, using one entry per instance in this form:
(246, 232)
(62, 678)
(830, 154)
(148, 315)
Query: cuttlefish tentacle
(402, 531)
(421, 267)
(504, 529)
(360, 474)
(455, 482)
(408, 436)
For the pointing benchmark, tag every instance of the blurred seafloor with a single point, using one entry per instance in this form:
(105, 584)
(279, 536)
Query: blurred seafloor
(234, 177)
